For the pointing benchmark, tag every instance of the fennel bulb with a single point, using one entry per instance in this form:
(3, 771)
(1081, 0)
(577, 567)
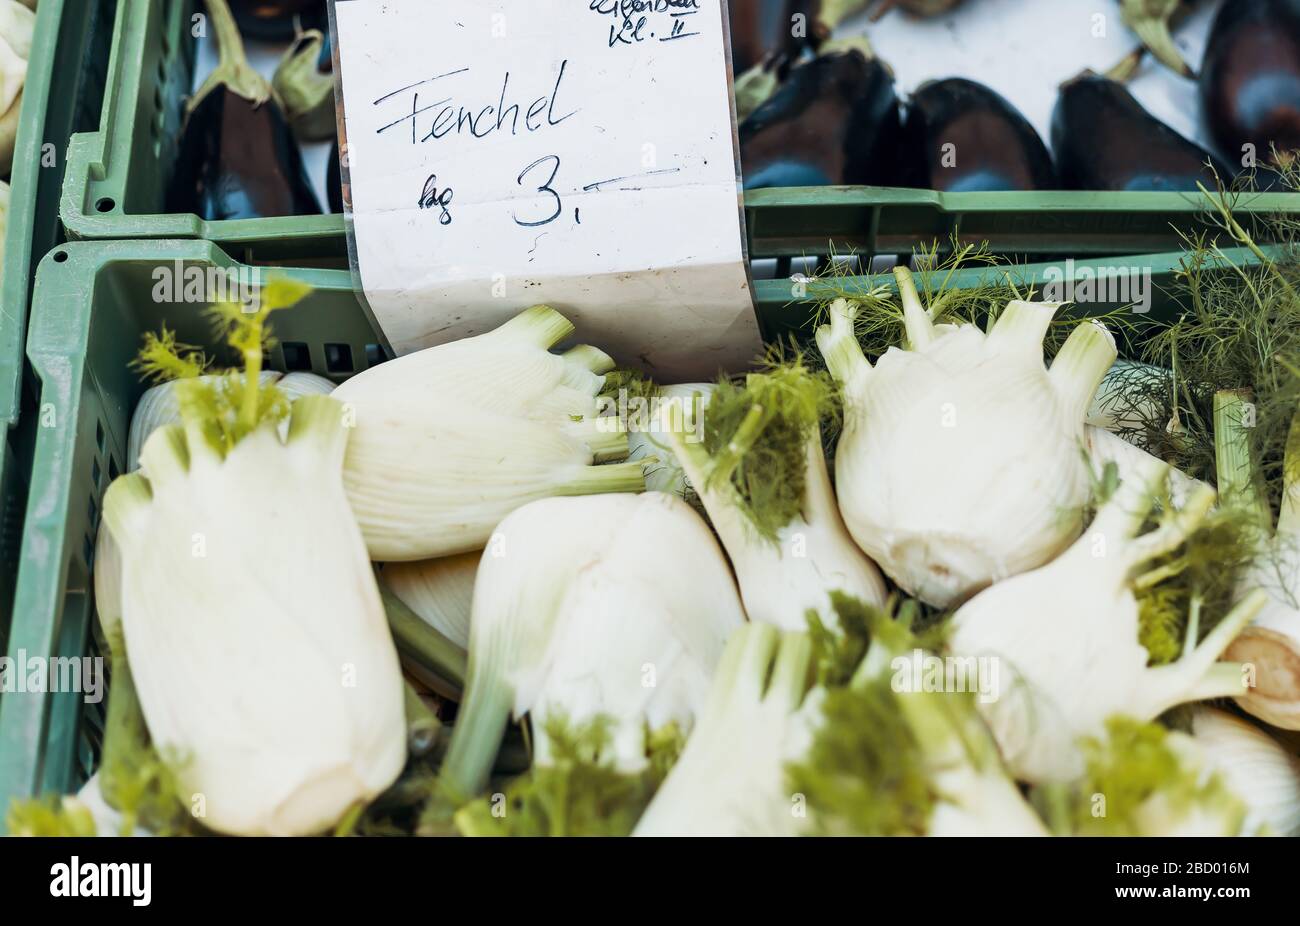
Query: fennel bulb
(761, 475)
(730, 778)
(4, 217)
(439, 591)
(450, 440)
(299, 383)
(258, 643)
(308, 714)
(1067, 635)
(613, 606)
(1104, 447)
(651, 438)
(17, 26)
(1255, 767)
(960, 459)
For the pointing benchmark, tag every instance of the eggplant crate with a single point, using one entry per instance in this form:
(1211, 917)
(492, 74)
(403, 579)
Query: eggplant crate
(61, 95)
(94, 302)
(117, 180)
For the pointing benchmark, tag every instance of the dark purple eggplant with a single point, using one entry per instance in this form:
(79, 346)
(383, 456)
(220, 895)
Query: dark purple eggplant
(922, 8)
(325, 63)
(237, 156)
(1250, 80)
(278, 20)
(960, 136)
(334, 180)
(835, 120)
(1104, 140)
(771, 32)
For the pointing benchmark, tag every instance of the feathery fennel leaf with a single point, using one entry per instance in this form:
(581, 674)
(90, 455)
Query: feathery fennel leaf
(579, 793)
(1133, 764)
(226, 406)
(51, 815)
(756, 434)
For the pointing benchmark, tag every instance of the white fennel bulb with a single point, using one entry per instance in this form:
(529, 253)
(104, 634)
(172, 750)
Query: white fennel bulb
(730, 777)
(610, 606)
(1255, 767)
(17, 28)
(159, 406)
(4, 216)
(761, 474)
(299, 383)
(1067, 637)
(271, 673)
(1107, 447)
(1271, 645)
(258, 644)
(960, 460)
(650, 437)
(449, 440)
(440, 591)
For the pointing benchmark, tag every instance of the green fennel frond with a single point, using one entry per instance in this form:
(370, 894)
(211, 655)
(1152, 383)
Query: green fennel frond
(578, 792)
(757, 433)
(163, 358)
(225, 406)
(49, 816)
(1134, 763)
(867, 771)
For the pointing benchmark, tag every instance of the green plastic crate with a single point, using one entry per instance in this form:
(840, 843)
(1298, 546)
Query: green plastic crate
(117, 176)
(65, 80)
(94, 301)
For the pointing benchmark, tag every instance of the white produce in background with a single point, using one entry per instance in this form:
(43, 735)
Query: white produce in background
(440, 591)
(1256, 767)
(17, 26)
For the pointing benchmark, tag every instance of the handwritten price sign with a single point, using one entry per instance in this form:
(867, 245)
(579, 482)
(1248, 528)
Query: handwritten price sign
(580, 153)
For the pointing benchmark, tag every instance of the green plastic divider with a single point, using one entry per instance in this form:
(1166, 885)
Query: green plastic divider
(117, 179)
(94, 302)
(61, 94)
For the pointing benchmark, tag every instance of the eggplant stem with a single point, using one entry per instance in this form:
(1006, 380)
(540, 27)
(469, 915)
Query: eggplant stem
(233, 70)
(1157, 39)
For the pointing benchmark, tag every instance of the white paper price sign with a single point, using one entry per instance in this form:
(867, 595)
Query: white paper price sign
(504, 153)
